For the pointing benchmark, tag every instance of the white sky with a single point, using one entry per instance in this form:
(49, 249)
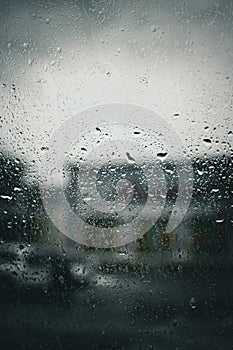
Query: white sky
(167, 58)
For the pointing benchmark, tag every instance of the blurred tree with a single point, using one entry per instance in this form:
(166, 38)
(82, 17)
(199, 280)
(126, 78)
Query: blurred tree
(22, 216)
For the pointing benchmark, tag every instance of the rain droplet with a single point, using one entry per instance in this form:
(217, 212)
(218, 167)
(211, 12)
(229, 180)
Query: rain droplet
(162, 155)
(30, 61)
(169, 171)
(192, 303)
(17, 189)
(215, 190)
(153, 28)
(207, 140)
(200, 172)
(130, 158)
(44, 148)
(6, 197)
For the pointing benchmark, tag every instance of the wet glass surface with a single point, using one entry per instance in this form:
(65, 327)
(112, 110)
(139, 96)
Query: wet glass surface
(116, 175)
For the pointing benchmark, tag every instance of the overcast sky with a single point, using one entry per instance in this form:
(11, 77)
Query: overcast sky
(173, 57)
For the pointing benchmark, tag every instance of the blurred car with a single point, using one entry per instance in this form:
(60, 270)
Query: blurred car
(32, 268)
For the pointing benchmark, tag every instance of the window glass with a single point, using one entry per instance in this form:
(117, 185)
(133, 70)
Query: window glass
(116, 174)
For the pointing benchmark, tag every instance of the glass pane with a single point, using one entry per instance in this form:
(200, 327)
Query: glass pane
(116, 174)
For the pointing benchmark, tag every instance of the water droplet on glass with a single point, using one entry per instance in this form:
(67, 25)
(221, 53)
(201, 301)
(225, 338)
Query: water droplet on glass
(207, 140)
(44, 148)
(30, 61)
(153, 28)
(200, 172)
(130, 159)
(3, 196)
(169, 171)
(17, 189)
(192, 303)
(162, 155)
